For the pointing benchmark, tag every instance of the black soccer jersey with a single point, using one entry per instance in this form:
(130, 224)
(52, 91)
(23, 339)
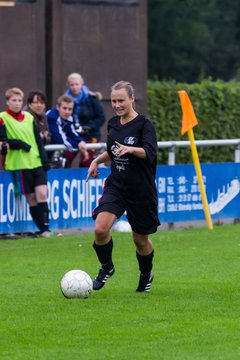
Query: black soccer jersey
(131, 184)
(129, 173)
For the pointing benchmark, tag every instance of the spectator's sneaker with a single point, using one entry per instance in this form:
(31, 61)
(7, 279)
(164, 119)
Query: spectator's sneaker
(102, 277)
(49, 234)
(145, 282)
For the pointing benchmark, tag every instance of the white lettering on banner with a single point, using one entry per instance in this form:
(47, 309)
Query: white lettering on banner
(71, 200)
(198, 206)
(194, 197)
(21, 209)
(74, 198)
(3, 215)
(182, 189)
(184, 198)
(80, 197)
(172, 207)
(72, 194)
(86, 203)
(161, 185)
(170, 189)
(181, 194)
(92, 197)
(16, 208)
(74, 213)
(170, 180)
(161, 205)
(195, 188)
(53, 199)
(182, 180)
(99, 186)
(66, 185)
(10, 200)
(195, 179)
(184, 207)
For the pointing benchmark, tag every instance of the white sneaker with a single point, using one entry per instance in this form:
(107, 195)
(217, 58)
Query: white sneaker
(48, 234)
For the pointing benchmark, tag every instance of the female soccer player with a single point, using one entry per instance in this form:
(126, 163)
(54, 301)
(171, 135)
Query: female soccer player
(130, 187)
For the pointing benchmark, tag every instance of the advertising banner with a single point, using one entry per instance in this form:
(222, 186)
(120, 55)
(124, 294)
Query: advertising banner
(71, 200)
(179, 196)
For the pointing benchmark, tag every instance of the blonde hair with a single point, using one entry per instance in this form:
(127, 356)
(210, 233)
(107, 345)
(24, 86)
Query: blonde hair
(124, 85)
(13, 91)
(74, 76)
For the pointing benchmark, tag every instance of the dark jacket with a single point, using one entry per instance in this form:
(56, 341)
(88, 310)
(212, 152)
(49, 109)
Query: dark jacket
(42, 125)
(62, 131)
(90, 115)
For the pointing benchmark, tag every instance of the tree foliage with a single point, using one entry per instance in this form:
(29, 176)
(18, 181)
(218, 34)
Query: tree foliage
(193, 39)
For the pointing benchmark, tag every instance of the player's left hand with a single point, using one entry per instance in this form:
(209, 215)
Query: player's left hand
(122, 149)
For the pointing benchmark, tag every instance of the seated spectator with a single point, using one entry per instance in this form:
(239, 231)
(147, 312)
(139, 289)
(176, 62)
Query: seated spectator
(36, 105)
(88, 113)
(61, 126)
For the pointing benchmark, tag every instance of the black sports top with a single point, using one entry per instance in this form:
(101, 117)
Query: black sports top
(129, 173)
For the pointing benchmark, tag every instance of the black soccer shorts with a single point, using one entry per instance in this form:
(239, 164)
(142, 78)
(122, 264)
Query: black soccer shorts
(141, 212)
(30, 178)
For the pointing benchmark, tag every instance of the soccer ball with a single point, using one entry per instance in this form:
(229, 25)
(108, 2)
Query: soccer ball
(76, 284)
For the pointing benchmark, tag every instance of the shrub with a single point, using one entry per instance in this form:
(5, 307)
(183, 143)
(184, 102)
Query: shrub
(216, 106)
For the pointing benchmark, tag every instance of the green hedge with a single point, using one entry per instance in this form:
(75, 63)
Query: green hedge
(217, 107)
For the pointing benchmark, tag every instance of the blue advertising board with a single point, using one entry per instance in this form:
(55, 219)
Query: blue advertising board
(179, 196)
(71, 200)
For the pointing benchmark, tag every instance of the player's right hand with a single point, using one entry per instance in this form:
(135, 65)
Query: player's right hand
(93, 171)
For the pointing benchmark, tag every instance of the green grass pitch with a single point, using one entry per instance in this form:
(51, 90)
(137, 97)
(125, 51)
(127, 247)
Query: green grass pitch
(191, 313)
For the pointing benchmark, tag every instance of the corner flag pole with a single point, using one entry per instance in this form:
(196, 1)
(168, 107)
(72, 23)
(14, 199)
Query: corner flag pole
(189, 120)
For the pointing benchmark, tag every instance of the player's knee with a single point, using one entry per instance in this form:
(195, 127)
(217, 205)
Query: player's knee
(42, 198)
(100, 231)
(31, 198)
(140, 245)
(141, 241)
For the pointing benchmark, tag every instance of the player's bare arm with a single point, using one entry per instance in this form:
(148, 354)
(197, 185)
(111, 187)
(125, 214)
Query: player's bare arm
(93, 168)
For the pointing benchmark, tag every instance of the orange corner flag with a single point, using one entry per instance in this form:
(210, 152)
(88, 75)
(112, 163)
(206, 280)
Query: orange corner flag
(189, 119)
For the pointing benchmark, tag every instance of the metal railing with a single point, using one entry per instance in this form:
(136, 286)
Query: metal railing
(170, 145)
